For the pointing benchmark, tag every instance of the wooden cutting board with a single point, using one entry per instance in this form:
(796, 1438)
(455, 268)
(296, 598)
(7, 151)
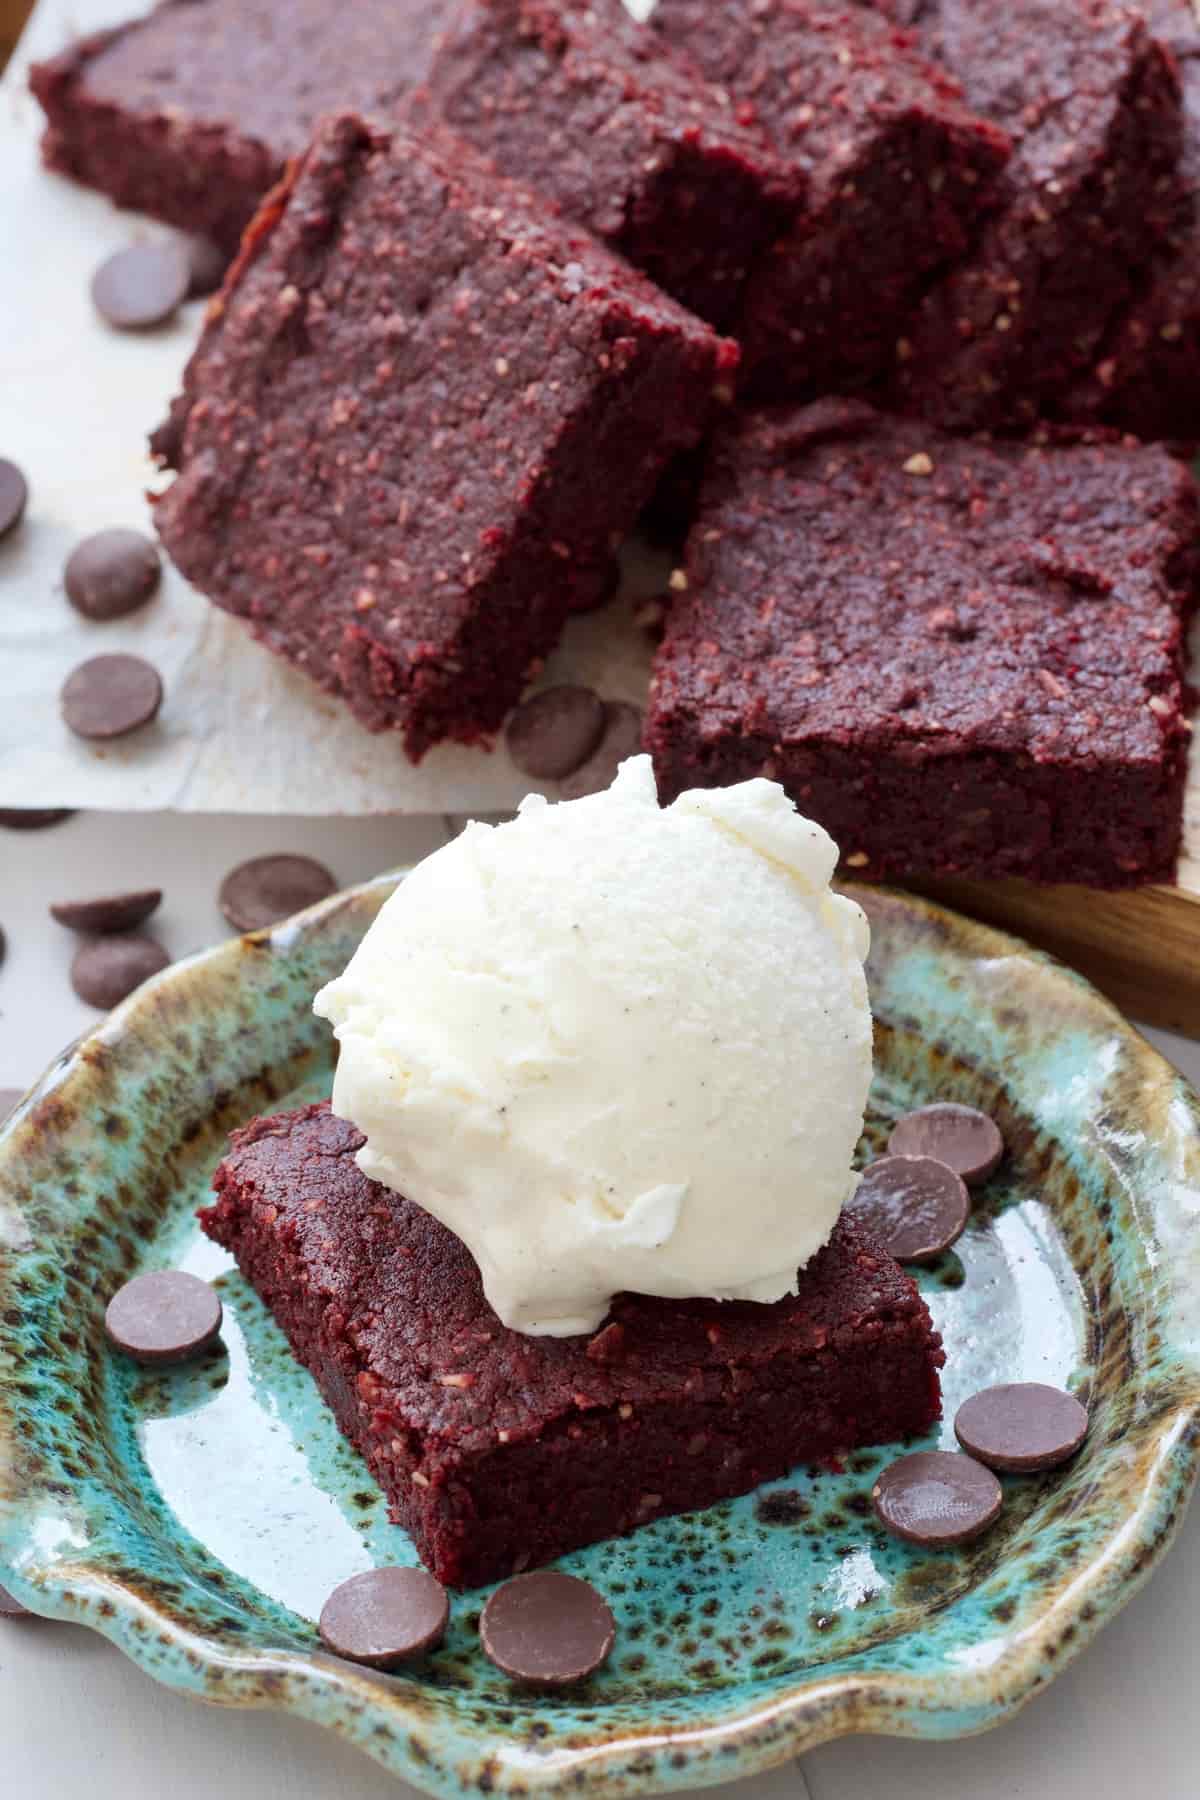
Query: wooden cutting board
(1141, 947)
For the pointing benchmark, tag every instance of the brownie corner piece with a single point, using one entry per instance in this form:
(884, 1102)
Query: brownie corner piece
(499, 1452)
(960, 656)
(595, 111)
(421, 414)
(897, 172)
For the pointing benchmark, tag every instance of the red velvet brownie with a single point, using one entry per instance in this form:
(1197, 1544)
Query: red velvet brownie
(498, 1451)
(420, 415)
(961, 657)
(1091, 101)
(897, 172)
(1147, 376)
(190, 113)
(585, 105)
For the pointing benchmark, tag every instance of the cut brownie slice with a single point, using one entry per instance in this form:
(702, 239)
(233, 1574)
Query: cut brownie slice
(589, 108)
(420, 416)
(1147, 376)
(191, 113)
(1092, 103)
(961, 657)
(897, 172)
(497, 1451)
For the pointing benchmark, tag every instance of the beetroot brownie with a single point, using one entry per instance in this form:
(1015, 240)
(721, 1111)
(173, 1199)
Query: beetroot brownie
(497, 1451)
(1092, 103)
(421, 413)
(961, 657)
(191, 113)
(586, 106)
(897, 171)
(1147, 376)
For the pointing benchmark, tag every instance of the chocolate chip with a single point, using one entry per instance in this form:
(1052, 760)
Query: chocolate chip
(9, 1098)
(14, 492)
(1021, 1426)
(385, 1617)
(267, 889)
(551, 734)
(547, 1629)
(141, 286)
(965, 1140)
(622, 737)
(914, 1206)
(206, 262)
(937, 1497)
(112, 912)
(164, 1317)
(11, 1608)
(109, 696)
(33, 818)
(106, 970)
(112, 573)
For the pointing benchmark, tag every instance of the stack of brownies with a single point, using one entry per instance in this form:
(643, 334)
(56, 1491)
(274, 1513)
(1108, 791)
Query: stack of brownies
(914, 287)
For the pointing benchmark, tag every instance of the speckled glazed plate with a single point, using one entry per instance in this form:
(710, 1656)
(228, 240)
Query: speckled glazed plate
(198, 1517)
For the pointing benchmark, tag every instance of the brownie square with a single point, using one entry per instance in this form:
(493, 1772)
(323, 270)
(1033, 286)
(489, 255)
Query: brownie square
(498, 1451)
(1092, 103)
(191, 113)
(960, 656)
(421, 415)
(897, 171)
(586, 106)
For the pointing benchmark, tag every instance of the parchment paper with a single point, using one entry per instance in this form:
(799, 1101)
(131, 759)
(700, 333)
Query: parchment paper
(239, 732)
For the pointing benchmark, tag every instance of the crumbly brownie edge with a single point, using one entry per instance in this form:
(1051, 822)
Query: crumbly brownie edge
(197, 177)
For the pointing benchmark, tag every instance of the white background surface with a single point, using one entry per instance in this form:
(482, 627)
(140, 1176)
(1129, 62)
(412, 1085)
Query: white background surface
(76, 1718)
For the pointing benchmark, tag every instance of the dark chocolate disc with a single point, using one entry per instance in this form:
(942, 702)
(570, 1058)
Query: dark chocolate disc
(112, 573)
(106, 970)
(549, 735)
(109, 696)
(384, 1617)
(547, 1629)
(109, 912)
(915, 1207)
(621, 737)
(966, 1140)
(33, 818)
(937, 1498)
(267, 889)
(1021, 1426)
(14, 493)
(142, 285)
(164, 1317)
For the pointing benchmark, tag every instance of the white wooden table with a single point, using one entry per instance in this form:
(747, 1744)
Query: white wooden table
(76, 1718)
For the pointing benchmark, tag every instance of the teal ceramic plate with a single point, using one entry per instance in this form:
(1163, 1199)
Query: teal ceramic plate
(199, 1517)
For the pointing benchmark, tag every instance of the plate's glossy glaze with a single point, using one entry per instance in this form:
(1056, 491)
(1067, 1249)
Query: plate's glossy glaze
(198, 1517)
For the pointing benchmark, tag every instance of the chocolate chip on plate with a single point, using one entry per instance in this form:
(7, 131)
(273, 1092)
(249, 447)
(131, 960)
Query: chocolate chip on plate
(112, 573)
(937, 1498)
(966, 1140)
(11, 1608)
(34, 818)
(106, 970)
(163, 1317)
(622, 737)
(547, 1629)
(14, 492)
(8, 1102)
(549, 735)
(914, 1206)
(109, 696)
(207, 263)
(110, 912)
(142, 285)
(384, 1617)
(1020, 1426)
(267, 889)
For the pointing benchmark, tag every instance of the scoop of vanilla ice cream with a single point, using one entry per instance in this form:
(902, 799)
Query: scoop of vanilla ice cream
(616, 1047)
